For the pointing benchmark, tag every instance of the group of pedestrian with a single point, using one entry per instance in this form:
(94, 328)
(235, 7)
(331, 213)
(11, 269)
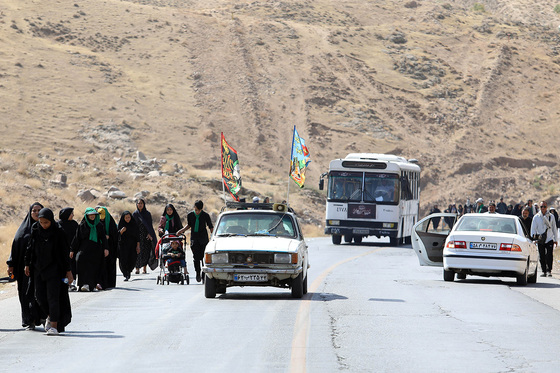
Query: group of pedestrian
(50, 258)
(540, 222)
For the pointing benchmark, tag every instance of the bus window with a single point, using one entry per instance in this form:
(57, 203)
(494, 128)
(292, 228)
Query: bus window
(345, 186)
(381, 188)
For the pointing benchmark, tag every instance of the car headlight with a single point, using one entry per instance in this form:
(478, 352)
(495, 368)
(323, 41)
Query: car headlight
(221, 258)
(282, 258)
(334, 222)
(388, 225)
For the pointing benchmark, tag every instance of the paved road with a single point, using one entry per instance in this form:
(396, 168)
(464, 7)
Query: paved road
(370, 308)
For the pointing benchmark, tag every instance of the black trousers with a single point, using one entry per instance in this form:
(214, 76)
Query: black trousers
(197, 249)
(47, 293)
(545, 256)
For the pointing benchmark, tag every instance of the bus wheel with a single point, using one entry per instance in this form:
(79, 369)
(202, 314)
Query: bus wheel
(358, 239)
(347, 238)
(336, 239)
(394, 241)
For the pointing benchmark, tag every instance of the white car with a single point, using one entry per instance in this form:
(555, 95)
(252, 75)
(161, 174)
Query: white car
(478, 244)
(256, 244)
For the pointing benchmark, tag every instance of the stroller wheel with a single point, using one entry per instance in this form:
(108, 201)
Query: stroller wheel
(187, 278)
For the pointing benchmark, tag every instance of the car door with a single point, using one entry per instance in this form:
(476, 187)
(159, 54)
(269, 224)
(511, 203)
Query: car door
(429, 235)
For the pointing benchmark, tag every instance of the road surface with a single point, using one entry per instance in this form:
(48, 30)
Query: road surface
(370, 308)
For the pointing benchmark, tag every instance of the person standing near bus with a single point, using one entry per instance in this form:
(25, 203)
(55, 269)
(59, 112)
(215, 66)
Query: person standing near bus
(198, 221)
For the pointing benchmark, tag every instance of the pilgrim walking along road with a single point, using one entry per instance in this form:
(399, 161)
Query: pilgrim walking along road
(30, 312)
(147, 237)
(90, 248)
(198, 221)
(47, 254)
(129, 244)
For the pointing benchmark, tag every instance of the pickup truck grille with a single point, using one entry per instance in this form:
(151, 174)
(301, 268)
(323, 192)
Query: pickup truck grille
(251, 258)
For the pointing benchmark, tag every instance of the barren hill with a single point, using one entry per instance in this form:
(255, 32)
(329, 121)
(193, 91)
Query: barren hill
(468, 88)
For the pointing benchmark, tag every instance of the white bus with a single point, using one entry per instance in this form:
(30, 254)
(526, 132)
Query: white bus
(372, 195)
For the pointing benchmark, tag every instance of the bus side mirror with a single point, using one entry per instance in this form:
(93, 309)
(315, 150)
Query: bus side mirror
(321, 184)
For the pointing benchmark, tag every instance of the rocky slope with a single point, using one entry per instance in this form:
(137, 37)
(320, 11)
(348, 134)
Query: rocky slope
(468, 88)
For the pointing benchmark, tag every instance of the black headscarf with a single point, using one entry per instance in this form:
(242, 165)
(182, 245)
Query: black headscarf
(46, 213)
(131, 227)
(19, 245)
(176, 225)
(65, 213)
(144, 217)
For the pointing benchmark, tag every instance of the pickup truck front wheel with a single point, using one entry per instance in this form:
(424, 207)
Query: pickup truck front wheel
(209, 287)
(297, 286)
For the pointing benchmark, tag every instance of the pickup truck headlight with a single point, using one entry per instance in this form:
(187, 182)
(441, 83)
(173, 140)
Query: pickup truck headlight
(221, 258)
(282, 258)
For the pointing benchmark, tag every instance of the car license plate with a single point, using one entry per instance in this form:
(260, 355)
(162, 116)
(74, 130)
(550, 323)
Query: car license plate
(250, 278)
(483, 245)
(360, 231)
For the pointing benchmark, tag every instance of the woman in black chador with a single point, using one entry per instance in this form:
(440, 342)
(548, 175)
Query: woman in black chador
(47, 255)
(30, 313)
(148, 237)
(90, 248)
(69, 226)
(109, 279)
(129, 244)
(170, 221)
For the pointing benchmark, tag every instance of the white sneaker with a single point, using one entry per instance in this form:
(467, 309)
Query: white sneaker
(48, 324)
(84, 287)
(30, 326)
(52, 331)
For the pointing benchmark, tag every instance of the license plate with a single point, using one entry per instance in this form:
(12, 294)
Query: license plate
(360, 231)
(250, 278)
(483, 245)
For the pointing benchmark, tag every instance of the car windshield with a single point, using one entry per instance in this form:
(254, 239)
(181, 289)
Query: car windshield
(481, 223)
(256, 224)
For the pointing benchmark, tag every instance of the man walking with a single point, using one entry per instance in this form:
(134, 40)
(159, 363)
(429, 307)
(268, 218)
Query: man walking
(544, 225)
(198, 221)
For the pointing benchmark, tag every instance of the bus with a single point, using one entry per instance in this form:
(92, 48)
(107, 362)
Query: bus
(371, 195)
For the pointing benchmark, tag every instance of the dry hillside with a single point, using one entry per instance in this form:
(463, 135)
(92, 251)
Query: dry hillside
(468, 88)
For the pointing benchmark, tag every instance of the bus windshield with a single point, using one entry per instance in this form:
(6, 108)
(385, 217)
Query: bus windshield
(381, 187)
(345, 186)
(377, 187)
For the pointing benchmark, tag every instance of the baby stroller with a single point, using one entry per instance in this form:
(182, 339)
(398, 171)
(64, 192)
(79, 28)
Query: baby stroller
(171, 265)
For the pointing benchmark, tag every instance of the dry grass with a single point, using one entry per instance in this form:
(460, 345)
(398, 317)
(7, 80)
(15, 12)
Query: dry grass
(7, 234)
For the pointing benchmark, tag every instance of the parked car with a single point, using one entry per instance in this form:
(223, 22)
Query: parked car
(478, 244)
(256, 244)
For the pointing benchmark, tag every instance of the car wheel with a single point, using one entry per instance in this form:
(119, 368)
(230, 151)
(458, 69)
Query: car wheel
(358, 239)
(347, 238)
(533, 278)
(448, 275)
(336, 239)
(297, 286)
(523, 279)
(210, 288)
(461, 276)
(305, 285)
